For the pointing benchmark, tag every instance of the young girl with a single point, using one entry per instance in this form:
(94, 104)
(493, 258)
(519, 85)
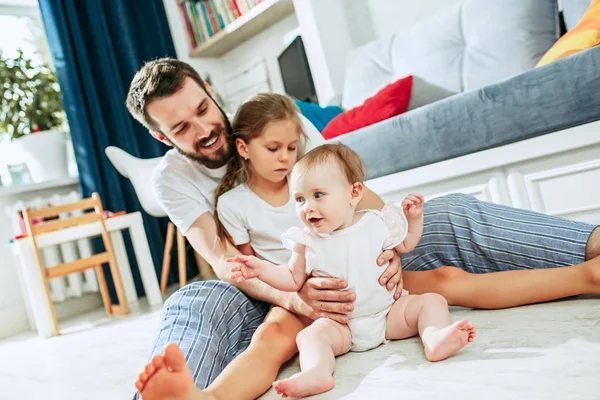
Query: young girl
(338, 241)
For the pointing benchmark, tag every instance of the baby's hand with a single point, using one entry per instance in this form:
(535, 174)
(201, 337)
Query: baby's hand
(413, 205)
(248, 267)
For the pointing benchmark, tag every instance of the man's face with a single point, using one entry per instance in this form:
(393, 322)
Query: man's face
(191, 122)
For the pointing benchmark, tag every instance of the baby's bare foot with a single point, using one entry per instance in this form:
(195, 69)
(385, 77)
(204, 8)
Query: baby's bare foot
(167, 377)
(304, 384)
(442, 343)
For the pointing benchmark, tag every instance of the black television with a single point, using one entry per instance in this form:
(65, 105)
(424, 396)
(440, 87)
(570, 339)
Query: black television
(297, 79)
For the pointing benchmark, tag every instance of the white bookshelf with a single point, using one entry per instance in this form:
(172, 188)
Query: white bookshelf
(261, 17)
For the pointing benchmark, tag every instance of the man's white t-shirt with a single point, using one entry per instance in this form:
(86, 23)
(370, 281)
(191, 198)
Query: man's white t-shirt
(250, 219)
(185, 188)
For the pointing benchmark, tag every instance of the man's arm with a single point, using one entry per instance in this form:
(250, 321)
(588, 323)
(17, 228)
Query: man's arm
(246, 249)
(202, 235)
(370, 200)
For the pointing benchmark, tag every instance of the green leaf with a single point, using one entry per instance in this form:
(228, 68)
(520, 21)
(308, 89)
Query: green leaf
(31, 97)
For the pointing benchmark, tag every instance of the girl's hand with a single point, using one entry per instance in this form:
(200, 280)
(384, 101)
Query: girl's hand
(248, 267)
(413, 206)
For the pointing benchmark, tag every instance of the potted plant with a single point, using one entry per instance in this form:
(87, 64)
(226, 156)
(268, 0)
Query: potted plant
(32, 115)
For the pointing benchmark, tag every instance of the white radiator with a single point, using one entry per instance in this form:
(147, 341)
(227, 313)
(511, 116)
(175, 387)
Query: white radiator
(73, 285)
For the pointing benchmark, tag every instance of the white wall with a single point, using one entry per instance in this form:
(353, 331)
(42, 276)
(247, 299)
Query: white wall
(268, 45)
(204, 66)
(330, 30)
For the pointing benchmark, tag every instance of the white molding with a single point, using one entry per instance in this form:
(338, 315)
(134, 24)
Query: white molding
(11, 190)
(532, 182)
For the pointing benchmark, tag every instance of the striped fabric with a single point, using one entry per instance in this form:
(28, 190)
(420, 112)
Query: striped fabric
(213, 321)
(481, 237)
(584, 36)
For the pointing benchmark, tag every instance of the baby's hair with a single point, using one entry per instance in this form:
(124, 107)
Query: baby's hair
(346, 159)
(249, 123)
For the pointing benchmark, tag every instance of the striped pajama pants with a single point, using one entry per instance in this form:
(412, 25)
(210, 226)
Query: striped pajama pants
(213, 321)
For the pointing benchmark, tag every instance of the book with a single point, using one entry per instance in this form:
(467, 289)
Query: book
(200, 17)
(211, 33)
(216, 16)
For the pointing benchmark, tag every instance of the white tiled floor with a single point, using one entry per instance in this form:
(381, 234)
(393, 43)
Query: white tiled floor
(545, 352)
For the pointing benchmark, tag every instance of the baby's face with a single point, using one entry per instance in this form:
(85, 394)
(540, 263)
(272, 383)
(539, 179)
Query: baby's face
(323, 198)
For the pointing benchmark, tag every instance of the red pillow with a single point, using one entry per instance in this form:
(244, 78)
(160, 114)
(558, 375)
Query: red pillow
(390, 101)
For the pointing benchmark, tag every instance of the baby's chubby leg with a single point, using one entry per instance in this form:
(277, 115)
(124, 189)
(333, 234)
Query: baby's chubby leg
(318, 345)
(428, 315)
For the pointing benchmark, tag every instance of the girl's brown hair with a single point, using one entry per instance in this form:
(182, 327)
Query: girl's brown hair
(347, 160)
(249, 122)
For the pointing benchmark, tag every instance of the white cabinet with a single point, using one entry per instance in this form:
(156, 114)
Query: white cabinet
(565, 185)
(556, 174)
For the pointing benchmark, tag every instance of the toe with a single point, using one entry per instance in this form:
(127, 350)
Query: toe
(157, 362)
(150, 368)
(174, 358)
(462, 324)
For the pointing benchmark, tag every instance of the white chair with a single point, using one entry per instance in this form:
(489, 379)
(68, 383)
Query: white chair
(139, 172)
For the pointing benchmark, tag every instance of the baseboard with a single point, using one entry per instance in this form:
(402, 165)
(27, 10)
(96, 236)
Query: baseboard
(14, 319)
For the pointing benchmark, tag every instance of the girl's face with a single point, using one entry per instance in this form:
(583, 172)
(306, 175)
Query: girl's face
(272, 155)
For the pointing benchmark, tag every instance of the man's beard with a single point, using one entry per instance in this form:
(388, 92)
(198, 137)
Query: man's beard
(218, 158)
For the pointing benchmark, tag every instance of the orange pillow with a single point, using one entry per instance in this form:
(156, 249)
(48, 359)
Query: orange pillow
(584, 36)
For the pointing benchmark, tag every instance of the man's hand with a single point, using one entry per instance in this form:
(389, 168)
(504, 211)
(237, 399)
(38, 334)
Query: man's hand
(392, 276)
(323, 297)
(247, 267)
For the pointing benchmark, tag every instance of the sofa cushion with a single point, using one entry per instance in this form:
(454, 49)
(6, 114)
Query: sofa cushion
(390, 101)
(319, 116)
(573, 11)
(470, 45)
(585, 35)
(556, 96)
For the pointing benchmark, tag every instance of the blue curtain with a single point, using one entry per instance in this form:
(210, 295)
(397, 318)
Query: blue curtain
(97, 46)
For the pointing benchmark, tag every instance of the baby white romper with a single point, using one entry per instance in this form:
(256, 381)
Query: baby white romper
(351, 254)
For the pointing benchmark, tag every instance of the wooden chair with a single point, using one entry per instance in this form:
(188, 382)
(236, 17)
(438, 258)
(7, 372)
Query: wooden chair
(80, 265)
(204, 268)
(139, 171)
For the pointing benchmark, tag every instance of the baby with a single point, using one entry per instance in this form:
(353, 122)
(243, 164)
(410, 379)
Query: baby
(338, 241)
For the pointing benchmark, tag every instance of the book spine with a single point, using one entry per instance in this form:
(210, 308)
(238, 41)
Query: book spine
(188, 26)
(235, 8)
(206, 19)
(193, 21)
(217, 17)
(211, 17)
(222, 12)
(200, 19)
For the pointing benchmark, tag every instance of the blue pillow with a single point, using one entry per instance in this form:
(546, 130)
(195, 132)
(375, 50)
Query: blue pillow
(319, 116)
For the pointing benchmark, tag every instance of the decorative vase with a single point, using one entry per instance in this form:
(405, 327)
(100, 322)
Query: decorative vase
(44, 153)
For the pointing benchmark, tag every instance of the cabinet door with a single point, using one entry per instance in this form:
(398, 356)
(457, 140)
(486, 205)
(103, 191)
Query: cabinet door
(487, 186)
(565, 185)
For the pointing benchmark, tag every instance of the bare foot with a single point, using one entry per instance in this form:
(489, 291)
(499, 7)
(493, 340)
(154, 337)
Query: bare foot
(442, 343)
(304, 384)
(167, 377)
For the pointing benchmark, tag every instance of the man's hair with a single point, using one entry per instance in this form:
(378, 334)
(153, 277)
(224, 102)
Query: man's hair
(345, 158)
(157, 79)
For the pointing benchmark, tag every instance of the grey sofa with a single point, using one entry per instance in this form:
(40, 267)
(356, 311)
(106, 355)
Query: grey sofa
(515, 107)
